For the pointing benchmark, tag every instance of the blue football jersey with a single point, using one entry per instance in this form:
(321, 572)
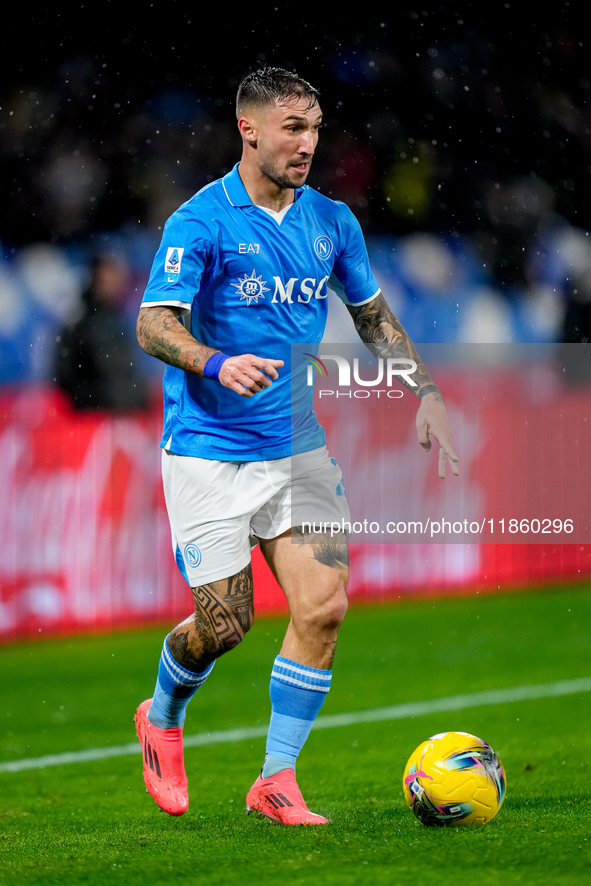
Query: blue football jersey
(254, 284)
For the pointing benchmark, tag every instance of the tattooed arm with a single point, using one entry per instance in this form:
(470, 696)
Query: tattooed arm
(161, 335)
(385, 337)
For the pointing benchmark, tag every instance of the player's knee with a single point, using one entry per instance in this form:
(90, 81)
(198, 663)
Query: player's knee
(326, 616)
(336, 611)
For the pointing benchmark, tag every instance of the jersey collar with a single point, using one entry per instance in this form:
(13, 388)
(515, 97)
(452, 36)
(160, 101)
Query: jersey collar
(238, 195)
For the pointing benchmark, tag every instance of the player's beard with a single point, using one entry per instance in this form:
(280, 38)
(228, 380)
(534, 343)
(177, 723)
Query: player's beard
(281, 178)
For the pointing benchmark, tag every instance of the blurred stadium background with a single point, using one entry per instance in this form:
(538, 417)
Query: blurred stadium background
(459, 134)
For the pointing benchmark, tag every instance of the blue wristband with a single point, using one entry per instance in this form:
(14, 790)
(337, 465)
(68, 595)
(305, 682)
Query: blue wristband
(214, 364)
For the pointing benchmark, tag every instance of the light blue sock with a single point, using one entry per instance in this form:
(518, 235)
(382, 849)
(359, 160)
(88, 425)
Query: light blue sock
(175, 687)
(297, 694)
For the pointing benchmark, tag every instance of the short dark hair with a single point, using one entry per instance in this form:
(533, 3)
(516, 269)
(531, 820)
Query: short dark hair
(267, 86)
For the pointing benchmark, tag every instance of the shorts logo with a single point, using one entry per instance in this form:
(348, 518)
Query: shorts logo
(192, 555)
(251, 288)
(172, 264)
(323, 247)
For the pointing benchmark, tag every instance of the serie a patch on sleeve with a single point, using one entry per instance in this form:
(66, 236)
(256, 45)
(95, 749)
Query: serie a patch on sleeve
(172, 264)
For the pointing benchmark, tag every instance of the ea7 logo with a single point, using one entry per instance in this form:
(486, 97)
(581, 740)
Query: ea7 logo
(299, 291)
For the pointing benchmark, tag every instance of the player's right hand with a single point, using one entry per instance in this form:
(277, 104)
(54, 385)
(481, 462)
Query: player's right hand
(248, 375)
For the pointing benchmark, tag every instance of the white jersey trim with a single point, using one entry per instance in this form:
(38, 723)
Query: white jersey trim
(335, 284)
(226, 192)
(185, 306)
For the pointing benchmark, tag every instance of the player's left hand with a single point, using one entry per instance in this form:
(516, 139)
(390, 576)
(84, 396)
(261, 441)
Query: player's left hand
(432, 421)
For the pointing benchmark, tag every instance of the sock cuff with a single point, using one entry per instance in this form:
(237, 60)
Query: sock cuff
(294, 674)
(180, 675)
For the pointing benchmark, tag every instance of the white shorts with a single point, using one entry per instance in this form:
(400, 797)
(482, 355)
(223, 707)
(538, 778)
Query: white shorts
(219, 509)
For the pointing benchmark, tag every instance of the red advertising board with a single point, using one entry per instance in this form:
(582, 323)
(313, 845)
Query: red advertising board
(85, 543)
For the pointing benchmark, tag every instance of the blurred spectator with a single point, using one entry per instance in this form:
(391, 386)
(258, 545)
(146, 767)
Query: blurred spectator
(575, 248)
(97, 359)
(351, 173)
(574, 352)
(409, 183)
(516, 213)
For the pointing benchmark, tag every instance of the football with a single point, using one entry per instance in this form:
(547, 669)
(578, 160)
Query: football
(454, 779)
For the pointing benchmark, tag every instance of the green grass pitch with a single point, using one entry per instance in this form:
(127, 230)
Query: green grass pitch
(93, 823)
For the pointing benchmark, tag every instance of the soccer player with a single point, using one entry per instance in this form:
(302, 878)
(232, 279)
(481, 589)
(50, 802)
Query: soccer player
(251, 257)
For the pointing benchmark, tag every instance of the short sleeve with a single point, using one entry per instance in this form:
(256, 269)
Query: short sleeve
(352, 278)
(180, 261)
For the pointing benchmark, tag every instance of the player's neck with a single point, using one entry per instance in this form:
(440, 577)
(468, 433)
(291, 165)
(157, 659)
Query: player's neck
(264, 192)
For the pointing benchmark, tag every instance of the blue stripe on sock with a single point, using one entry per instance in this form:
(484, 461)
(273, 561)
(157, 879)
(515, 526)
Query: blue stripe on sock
(175, 687)
(176, 677)
(319, 673)
(302, 676)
